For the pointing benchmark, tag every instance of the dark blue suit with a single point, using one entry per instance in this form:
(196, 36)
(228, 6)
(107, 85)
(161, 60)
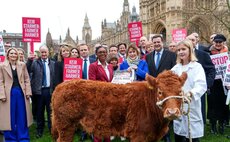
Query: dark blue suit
(167, 61)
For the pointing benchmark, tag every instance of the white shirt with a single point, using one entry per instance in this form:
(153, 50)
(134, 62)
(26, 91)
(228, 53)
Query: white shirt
(196, 84)
(155, 56)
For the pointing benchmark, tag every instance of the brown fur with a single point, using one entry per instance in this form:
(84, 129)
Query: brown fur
(106, 109)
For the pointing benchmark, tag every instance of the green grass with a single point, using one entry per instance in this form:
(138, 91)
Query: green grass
(207, 138)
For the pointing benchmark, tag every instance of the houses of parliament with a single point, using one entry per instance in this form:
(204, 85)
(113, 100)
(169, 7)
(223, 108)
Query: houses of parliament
(158, 17)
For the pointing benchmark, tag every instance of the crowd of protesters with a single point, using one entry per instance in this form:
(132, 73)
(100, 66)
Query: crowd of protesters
(35, 79)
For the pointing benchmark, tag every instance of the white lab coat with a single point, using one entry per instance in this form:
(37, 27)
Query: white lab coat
(196, 84)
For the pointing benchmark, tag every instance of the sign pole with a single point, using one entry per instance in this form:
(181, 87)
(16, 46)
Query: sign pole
(32, 47)
(137, 43)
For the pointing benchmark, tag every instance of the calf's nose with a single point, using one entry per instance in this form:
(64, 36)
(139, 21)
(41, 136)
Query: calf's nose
(172, 113)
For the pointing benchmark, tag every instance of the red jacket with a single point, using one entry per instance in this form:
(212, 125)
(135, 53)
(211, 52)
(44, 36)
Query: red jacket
(97, 72)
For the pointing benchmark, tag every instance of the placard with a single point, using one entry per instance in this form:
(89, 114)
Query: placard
(72, 68)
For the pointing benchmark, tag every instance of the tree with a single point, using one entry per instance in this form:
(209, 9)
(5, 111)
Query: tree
(217, 13)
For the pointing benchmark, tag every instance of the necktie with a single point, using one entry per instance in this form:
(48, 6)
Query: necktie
(44, 81)
(85, 69)
(158, 60)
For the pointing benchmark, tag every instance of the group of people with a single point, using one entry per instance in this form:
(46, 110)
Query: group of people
(36, 78)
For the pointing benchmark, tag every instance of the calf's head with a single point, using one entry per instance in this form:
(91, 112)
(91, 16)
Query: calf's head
(168, 88)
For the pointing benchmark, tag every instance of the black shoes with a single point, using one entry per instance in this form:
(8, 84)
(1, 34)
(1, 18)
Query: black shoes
(213, 129)
(39, 135)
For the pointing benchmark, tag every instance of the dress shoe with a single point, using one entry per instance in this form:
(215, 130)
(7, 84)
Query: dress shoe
(39, 135)
(213, 129)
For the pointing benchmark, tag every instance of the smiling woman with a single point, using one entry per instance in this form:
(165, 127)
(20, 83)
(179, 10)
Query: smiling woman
(15, 91)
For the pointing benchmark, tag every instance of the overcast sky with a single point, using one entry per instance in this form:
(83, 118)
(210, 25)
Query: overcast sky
(58, 15)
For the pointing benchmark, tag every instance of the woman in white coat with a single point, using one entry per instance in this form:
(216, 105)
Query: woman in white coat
(194, 87)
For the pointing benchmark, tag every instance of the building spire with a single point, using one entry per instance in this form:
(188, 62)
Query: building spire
(86, 22)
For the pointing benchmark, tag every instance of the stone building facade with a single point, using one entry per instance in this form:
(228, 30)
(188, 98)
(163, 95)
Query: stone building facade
(14, 40)
(117, 31)
(162, 16)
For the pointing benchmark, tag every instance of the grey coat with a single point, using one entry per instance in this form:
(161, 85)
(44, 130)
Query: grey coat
(35, 69)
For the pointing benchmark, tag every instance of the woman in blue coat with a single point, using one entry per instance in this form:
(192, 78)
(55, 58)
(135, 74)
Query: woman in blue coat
(134, 63)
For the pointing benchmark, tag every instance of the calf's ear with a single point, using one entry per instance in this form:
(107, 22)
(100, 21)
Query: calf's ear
(183, 78)
(151, 81)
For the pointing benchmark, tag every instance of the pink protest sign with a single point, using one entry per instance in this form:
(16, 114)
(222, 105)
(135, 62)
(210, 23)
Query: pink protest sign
(31, 29)
(2, 58)
(179, 35)
(72, 68)
(135, 31)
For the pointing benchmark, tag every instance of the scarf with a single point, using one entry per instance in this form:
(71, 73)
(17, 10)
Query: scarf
(133, 62)
(215, 51)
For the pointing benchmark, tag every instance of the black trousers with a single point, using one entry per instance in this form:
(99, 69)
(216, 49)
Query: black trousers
(34, 99)
(43, 103)
(203, 107)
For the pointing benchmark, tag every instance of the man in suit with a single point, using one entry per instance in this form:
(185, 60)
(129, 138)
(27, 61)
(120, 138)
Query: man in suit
(84, 54)
(158, 61)
(42, 71)
(167, 58)
(199, 46)
(209, 68)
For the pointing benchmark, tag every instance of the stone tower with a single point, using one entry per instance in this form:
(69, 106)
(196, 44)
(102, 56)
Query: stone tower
(86, 31)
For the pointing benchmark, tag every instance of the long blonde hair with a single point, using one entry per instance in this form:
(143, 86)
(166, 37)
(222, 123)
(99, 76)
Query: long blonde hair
(60, 58)
(187, 43)
(7, 55)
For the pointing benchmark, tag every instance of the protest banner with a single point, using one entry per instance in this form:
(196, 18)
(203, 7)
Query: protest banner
(220, 62)
(226, 81)
(2, 48)
(31, 31)
(2, 58)
(72, 68)
(179, 35)
(135, 31)
(122, 77)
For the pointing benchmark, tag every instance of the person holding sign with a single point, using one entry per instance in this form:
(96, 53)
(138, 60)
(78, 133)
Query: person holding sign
(134, 63)
(217, 110)
(64, 52)
(102, 71)
(15, 93)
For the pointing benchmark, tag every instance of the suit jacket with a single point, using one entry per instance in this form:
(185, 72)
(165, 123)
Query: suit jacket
(6, 82)
(203, 48)
(35, 68)
(209, 68)
(97, 72)
(167, 61)
(93, 58)
(59, 69)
